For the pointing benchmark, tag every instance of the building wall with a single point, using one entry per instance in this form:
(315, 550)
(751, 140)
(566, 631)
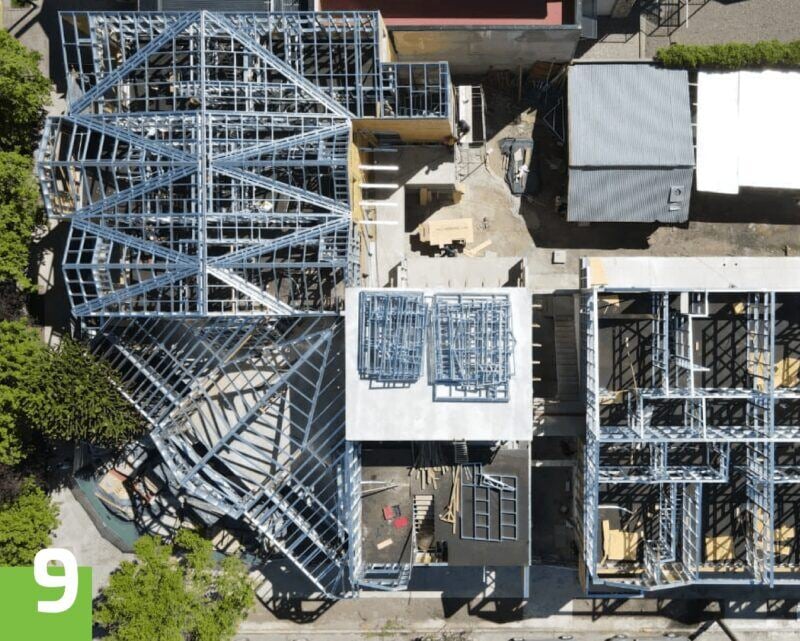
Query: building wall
(475, 49)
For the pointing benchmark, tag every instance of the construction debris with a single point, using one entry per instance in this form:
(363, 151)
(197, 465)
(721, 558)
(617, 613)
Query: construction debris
(450, 514)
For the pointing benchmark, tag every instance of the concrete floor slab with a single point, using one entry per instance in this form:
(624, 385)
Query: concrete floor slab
(411, 414)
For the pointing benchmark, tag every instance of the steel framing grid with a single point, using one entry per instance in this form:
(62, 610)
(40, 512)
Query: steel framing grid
(672, 555)
(391, 336)
(472, 347)
(203, 158)
(203, 165)
(492, 500)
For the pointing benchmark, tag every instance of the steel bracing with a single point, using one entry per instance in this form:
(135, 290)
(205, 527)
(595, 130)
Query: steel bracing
(202, 164)
(686, 437)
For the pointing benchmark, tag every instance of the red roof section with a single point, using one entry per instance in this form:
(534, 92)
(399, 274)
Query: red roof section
(460, 12)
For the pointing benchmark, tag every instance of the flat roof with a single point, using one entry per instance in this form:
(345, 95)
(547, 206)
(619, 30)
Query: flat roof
(461, 12)
(409, 413)
(748, 132)
(709, 273)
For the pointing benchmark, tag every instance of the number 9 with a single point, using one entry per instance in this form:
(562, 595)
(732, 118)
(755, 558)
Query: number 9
(69, 581)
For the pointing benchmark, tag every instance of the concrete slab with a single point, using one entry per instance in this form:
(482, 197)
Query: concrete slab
(710, 273)
(410, 413)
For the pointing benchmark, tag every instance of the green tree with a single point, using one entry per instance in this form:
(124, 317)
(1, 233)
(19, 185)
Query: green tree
(22, 356)
(24, 93)
(26, 523)
(19, 214)
(74, 398)
(175, 593)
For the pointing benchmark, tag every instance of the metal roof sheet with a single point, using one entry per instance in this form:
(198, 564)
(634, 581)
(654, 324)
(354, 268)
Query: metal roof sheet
(629, 195)
(624, 115)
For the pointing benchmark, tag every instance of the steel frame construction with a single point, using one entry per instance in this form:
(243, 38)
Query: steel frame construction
(391, 336)
(472, 347)
(203, 165)
(672, 553)
(203, 157)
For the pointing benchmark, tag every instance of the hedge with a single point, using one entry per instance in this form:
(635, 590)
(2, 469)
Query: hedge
(734, 55)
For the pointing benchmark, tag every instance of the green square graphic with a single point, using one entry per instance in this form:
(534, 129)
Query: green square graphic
(19, 595)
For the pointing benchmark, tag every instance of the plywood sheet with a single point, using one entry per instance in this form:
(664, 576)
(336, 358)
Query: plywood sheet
(445, 232)
(435, 130)
(619, 545)
(787, 372)
(719, 548)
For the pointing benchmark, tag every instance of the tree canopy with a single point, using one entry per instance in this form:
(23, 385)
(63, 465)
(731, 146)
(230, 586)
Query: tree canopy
(63, 394)
(22, 356)
(74, 398)
(19, 213)
(26, 522)
(175, 593)
(24, 92)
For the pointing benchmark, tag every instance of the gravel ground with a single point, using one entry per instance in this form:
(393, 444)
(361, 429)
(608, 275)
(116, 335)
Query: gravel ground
(721, 21)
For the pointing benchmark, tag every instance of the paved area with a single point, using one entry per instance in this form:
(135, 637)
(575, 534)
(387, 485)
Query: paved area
(77, 534)
(617, 39)
(720, 21)
(554, 609)
(36, 25)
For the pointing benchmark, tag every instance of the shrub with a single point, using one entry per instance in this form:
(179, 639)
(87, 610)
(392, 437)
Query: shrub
(733, 55)
(26, 523)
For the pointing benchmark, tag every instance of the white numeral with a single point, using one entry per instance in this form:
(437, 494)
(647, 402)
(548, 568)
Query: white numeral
(69, 580)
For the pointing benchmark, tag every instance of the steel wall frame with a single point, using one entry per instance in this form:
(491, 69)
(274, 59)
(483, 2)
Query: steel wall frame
(674, 556)
(391, 336)
(471, 347)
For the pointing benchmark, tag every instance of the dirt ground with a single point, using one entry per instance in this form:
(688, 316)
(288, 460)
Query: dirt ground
(755, 223)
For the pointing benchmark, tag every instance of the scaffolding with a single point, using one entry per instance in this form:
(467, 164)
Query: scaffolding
(688, 448)
(472, 347)
(202, 164)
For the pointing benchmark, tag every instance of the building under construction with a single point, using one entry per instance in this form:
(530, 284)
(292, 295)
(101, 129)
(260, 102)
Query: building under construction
(215, 172)
(690, 472)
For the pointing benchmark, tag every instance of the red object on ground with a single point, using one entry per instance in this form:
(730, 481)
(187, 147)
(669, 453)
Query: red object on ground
(390, 512)
(400, 522)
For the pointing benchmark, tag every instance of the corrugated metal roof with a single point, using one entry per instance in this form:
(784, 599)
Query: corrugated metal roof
(623, 115)
(629, 195)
